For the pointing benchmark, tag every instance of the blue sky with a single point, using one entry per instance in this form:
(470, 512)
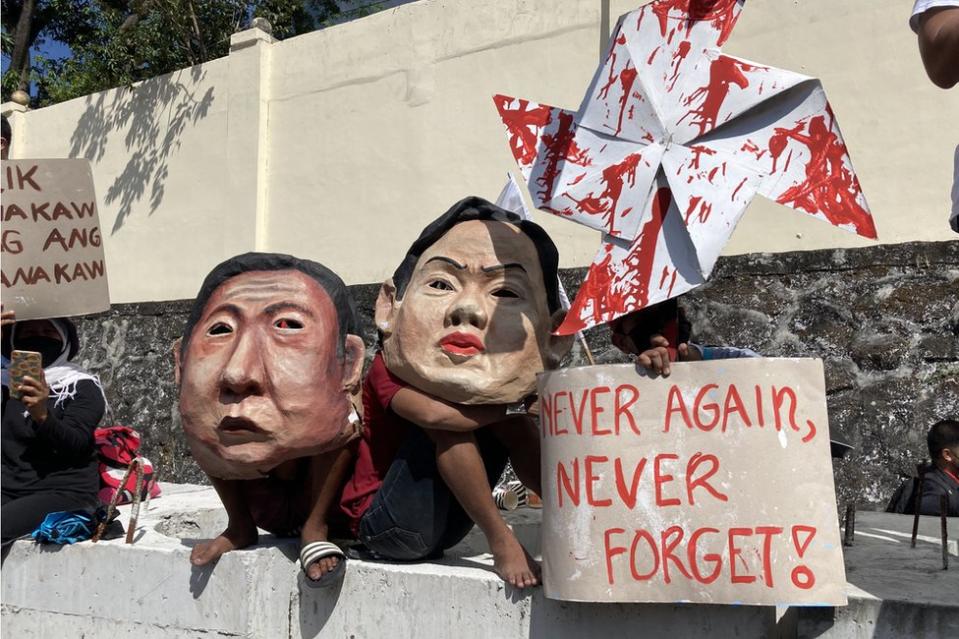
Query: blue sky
(51, 49)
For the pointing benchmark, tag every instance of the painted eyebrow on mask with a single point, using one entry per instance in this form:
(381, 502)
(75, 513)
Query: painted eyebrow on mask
(448, 260)
(503, 267)
(278, 307)
(231, 309)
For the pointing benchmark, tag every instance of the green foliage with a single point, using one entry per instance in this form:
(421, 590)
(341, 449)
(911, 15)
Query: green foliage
(119, 42)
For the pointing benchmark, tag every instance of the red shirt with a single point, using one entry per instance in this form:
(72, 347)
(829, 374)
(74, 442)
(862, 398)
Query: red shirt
(383, 433)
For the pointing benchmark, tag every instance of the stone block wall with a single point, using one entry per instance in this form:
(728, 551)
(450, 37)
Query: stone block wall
(884, 319)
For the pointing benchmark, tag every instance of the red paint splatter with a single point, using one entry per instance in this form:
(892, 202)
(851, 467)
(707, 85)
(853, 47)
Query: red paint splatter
(626, 77)
(662, 278)
(705, 210)
(610, 295)
(723, 73)
(559, 147)
(732, 198)
(693, 202)
(722, 14)
(829, 187)
(779, 141)
(652, 56)
(672, 283)
(605, 204)
(681, 52)
(751, 147)
(523, 124)
(698, 151)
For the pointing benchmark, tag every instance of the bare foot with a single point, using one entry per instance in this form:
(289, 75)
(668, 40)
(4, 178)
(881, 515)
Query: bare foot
(209, 551)
(513, 563)
(318, 568)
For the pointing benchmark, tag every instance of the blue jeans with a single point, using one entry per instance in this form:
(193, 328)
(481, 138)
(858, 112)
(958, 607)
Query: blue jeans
(414, 515)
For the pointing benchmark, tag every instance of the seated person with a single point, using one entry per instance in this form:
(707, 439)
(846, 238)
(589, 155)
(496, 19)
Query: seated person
(49, 457)
(939, 477)
(267, 367)
(660, 334)
(465, 327)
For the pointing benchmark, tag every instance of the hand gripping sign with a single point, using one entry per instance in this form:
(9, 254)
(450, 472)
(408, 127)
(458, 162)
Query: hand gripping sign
(711, 486)
(671, 143)
(52, 245)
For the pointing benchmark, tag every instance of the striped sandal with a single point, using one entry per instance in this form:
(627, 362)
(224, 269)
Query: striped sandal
(315, 551)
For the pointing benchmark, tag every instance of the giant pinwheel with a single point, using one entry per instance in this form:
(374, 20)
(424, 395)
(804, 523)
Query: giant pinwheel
(669, 146)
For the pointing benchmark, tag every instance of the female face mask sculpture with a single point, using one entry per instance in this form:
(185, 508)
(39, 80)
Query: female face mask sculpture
(473, 324)
(262, 379)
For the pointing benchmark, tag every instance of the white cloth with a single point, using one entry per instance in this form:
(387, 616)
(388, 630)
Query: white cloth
(61, 376)
(920, 7)
(723, 352)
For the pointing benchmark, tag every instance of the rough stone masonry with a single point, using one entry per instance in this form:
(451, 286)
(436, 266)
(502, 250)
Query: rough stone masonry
(884, 319)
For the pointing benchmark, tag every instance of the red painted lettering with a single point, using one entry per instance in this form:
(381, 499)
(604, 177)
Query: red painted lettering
(622, 405)
(595, 409)
(592, 479)
(671, 538)
(734, 404)
(695, 482)
(628, 495)
(675, 403)
(612, 551)
(768, 532)
(642, 534)
(735, 553)
(715, 559)
(563, 479)
(711, 407)
(660, 478)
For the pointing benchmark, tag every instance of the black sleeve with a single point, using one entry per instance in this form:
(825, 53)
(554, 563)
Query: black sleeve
(901, 498)
(72, 433)
(932, 490)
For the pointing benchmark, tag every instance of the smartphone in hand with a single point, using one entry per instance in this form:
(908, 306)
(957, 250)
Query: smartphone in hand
(23, 364)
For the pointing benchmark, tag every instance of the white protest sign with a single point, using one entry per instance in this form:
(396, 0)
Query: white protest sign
(713, 485)
(52, 245)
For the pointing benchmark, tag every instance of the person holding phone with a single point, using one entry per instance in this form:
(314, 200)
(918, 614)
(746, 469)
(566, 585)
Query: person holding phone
(48, 456)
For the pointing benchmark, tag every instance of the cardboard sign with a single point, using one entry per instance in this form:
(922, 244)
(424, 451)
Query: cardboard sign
(713, 485)
(53, 262)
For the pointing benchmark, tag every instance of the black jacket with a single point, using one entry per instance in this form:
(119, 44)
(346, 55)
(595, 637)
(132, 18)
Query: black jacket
(936, 484)
(58, 455)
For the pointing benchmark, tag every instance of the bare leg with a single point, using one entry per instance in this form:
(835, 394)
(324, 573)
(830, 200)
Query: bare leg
(461, 467)
(240, 530)
(327, 474)
(520, 436)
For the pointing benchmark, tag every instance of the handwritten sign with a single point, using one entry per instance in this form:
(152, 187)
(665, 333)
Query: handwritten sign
(52, 246)
(713, 485)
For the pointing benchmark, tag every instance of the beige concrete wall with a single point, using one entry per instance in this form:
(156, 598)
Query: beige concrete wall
(160, 167)
(340, 145)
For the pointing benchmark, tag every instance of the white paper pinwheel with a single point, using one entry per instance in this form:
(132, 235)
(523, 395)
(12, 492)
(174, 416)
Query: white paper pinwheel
(669, 146)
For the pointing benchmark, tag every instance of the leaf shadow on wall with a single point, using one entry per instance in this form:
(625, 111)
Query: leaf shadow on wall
(152, 116)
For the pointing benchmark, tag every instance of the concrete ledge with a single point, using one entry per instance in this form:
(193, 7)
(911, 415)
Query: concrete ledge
(151, 591)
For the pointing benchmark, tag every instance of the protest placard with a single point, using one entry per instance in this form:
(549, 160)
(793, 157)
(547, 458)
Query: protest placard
(52, 245)
(713, 485)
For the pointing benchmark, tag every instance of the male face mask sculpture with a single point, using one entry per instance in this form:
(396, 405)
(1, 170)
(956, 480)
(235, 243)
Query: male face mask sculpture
(473, 324)
(261, 381)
